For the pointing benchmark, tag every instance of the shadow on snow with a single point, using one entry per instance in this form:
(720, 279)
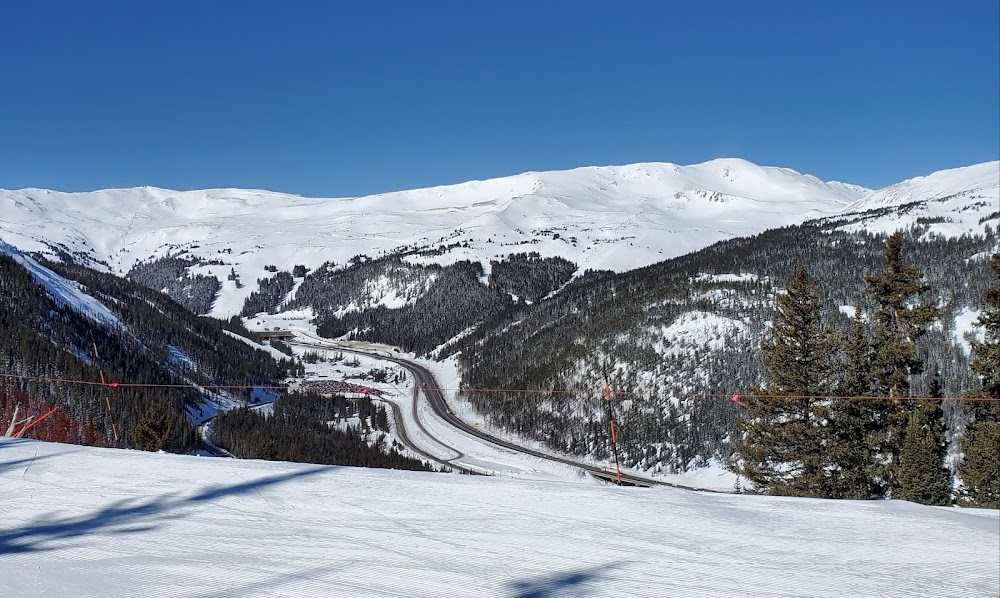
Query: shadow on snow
(128, 516)
(565, 584)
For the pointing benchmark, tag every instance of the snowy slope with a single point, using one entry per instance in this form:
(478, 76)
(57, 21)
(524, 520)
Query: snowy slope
(616, 217)
(951, 202)
(63, 292)
(99, 522)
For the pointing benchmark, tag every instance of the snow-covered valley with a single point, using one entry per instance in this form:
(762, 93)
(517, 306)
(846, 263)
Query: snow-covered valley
(232, 235)
(219, 527)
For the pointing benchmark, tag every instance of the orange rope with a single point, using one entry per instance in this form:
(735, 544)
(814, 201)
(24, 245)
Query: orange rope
(846, 398)
(487, 390)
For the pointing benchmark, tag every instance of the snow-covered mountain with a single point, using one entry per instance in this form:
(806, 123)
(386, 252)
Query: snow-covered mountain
(682, 330)
(616, 217)
(676, 327)
(951, 202)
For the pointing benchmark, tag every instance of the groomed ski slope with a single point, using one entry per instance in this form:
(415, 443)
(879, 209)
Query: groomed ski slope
(99, 522)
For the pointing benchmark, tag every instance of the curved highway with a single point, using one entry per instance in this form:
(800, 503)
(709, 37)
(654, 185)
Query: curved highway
(426, 382)
(397, 417)
(397, 414)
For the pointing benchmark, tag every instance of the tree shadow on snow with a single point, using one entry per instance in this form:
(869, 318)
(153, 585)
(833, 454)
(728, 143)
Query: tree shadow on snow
(565, 584)
(127, 516)
(258, 588)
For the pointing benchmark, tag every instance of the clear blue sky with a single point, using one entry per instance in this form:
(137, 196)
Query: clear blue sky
(336, 98)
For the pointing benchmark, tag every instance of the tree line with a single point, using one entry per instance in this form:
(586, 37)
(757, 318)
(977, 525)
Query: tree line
(158, 341)
(834, 418)
(439, 302)
(309, 428)
(269, 294)
(678, 335)
(171, 276)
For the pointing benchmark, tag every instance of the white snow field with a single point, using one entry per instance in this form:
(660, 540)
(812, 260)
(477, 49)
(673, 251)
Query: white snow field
(613, 217)
(92, 522)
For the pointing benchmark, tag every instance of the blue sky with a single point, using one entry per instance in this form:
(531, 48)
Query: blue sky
(336, 98)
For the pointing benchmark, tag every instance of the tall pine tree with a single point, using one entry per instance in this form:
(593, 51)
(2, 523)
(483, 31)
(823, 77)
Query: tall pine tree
(857, 434)
(784, 442)
(923, 476)
(899, 322)
(980, 467)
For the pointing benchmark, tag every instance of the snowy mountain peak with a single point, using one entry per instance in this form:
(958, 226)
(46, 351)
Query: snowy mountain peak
(599, 217)
(948, 202)
(939, 185)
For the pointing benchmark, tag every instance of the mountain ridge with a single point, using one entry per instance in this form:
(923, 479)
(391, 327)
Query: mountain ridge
(936, 185)
(608, 217)
(599, 217)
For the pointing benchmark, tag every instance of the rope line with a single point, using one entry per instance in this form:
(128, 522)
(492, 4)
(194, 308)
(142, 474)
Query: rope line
(730, 396)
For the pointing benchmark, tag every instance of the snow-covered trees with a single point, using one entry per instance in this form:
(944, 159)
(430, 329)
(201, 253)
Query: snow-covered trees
(170, 275)
(269, 294)
(299, 429)
(428, 304)
(668, 423)
(159, 342)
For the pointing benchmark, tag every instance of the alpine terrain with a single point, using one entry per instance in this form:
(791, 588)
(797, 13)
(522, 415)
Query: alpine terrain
(723, 327)
(656, 278)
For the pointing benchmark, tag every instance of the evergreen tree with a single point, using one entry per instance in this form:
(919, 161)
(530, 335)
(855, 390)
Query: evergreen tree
(980, 467)
(856, 431)
(898, 325)
(154, 430)
(784, 445)
(923, 476)
(857, 376)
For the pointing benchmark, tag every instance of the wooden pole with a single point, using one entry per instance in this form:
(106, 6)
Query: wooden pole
(107, 401)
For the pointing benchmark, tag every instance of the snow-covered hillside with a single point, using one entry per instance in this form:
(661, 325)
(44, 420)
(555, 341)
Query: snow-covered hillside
(616, 217)
(951, 202)
(63, 292)
(166, 525)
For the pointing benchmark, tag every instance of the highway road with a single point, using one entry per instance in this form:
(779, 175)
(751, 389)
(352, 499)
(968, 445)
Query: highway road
(404, 438)
(426, 382)
(397, 414)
